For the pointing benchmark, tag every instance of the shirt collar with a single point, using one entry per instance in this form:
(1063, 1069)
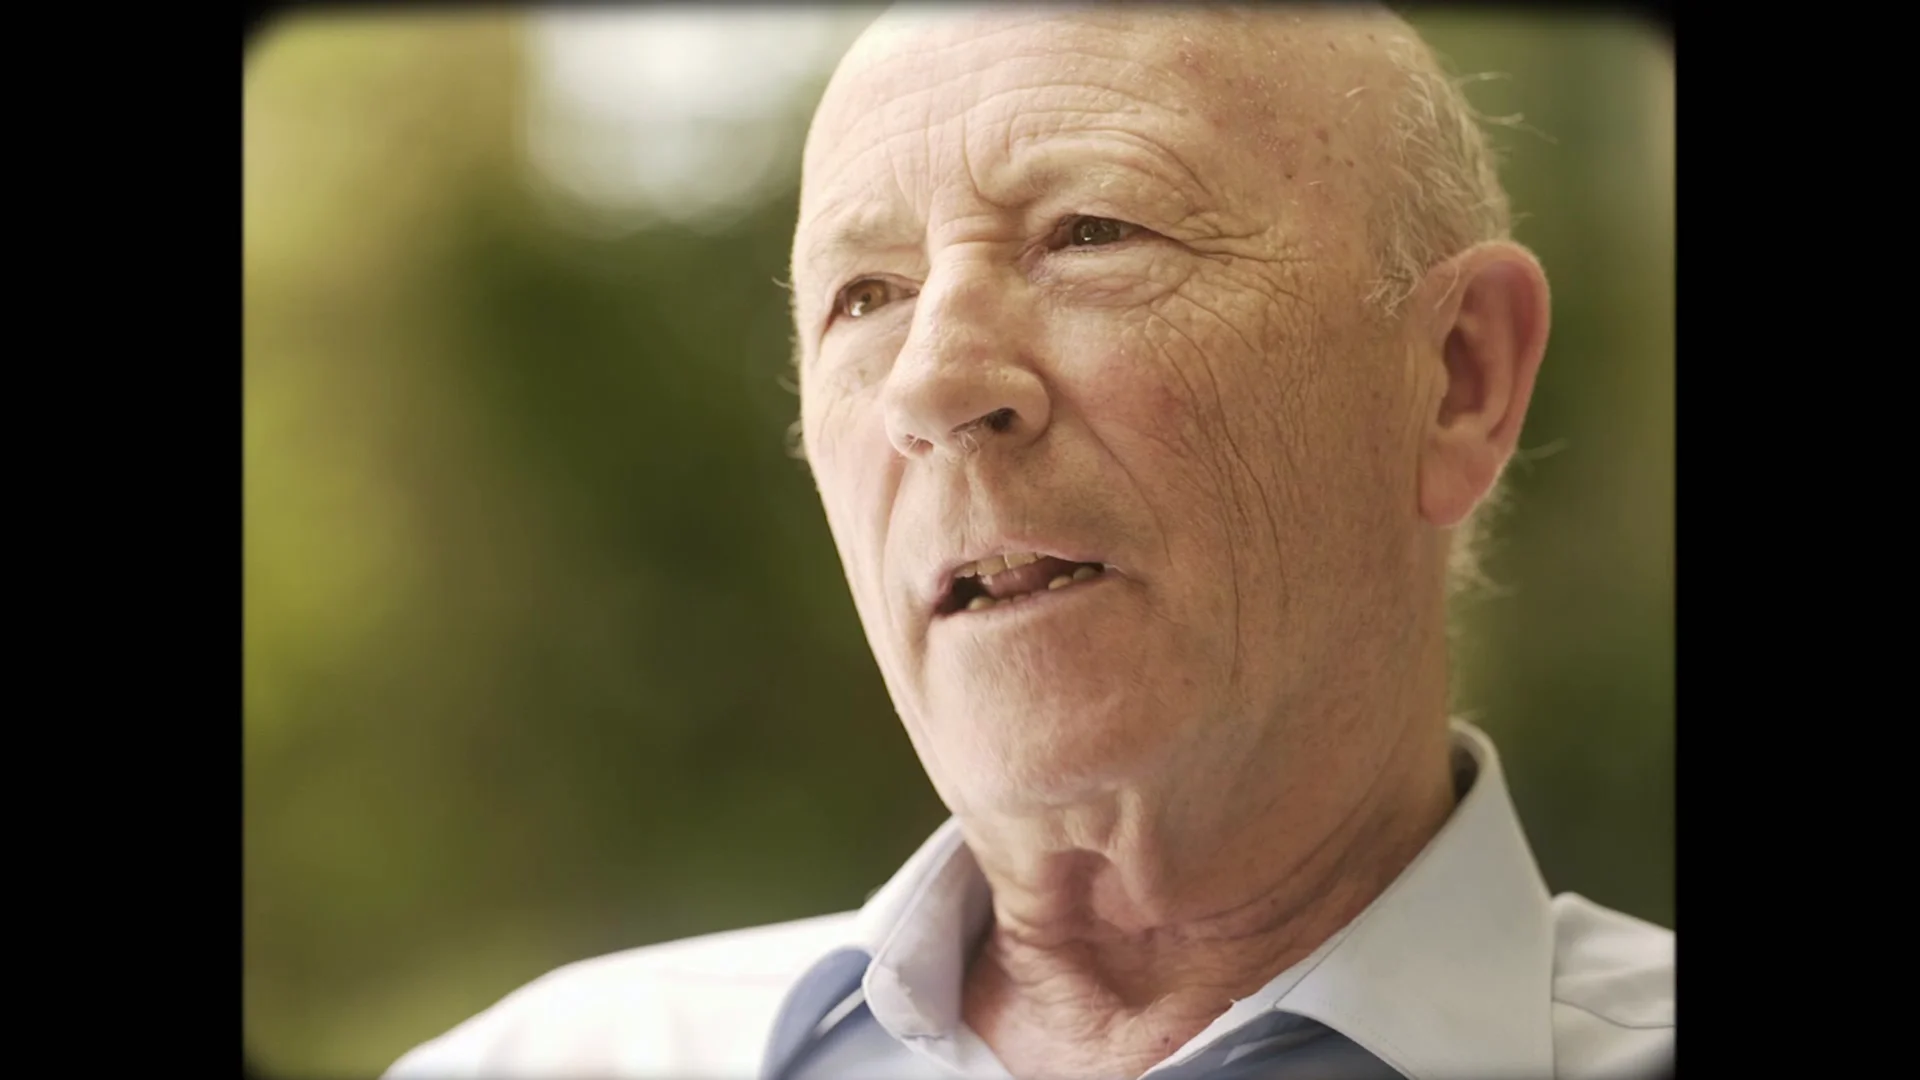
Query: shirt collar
(1447, 973)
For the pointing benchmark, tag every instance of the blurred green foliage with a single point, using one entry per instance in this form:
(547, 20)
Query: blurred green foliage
(547, 649)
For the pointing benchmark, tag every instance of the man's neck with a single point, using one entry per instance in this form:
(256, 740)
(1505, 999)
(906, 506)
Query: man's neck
(1122, 930)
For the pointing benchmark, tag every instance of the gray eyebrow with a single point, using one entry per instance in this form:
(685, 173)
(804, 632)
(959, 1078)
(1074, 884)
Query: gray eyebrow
(860, 234)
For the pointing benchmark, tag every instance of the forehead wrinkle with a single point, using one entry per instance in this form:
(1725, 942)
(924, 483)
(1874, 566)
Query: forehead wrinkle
(880, 218)
(1054, 159)
(920, 66)
(1039, 170)
(1011, 158)
(1198, 82)
(908, 72)
(1186, 76)
(857, 214)
(848, 240)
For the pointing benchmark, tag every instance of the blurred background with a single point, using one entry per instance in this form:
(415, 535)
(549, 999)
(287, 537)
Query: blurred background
(547, 651)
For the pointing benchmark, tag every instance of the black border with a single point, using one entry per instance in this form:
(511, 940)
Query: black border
(1738, 119)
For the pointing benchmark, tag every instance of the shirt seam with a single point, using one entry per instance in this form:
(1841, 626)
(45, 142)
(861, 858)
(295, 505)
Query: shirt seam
(1656, 1025)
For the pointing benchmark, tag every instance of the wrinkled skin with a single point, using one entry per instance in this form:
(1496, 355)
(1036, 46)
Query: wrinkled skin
(1090, 283)
(1202, 403)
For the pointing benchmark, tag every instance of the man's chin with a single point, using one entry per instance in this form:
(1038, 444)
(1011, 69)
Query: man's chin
(1034, 751)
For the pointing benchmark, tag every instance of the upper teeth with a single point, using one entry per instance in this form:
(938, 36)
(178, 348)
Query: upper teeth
(992, 565)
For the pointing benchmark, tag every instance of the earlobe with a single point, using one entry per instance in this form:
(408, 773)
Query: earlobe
(1487, 313)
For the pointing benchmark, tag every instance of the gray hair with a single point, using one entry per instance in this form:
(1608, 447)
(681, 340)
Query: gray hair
(1439, 193)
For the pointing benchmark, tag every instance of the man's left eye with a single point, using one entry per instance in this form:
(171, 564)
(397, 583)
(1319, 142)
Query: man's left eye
(1087, 231)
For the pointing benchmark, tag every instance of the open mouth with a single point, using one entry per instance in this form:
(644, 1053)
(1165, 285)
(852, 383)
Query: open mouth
(1011, 578)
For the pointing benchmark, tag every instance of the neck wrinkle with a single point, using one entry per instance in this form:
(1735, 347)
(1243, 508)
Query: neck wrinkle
(1158, 949)
(1122, 930)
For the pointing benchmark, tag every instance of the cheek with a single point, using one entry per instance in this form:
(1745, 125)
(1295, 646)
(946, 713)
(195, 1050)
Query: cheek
(854, 470)
(1143, 373)
(1249, 425)
(1164, 395)
(1226, 394)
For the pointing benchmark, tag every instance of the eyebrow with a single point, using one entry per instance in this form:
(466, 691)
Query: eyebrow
(859, 234)
(1172, 184)
(1043, 171)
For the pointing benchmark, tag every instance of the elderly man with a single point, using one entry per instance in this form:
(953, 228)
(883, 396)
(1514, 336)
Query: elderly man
(1154, 363)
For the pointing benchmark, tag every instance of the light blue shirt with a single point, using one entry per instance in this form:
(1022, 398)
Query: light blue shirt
(1463, 969)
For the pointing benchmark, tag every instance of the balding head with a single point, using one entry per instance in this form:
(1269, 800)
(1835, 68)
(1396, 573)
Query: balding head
(1126, 288)
(1422, 157)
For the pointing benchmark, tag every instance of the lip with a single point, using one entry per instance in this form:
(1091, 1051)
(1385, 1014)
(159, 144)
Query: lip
(942, 583)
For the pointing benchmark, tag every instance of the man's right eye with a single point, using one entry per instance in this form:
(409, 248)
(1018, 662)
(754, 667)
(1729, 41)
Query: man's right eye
(864, 297)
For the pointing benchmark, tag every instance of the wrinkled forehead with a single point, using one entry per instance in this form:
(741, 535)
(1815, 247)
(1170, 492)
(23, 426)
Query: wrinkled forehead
(1232, 90)
(941, 52)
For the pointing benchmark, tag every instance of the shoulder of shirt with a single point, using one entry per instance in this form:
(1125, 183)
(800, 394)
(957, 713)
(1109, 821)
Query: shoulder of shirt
(1613, 992)
(704, 1004)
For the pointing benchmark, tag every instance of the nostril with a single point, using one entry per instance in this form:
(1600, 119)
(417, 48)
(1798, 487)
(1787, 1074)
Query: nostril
(999, 420)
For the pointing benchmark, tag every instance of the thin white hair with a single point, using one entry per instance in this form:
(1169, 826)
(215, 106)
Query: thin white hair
(1438, 194)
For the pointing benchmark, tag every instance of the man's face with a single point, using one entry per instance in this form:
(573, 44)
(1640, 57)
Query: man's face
(1089, 286)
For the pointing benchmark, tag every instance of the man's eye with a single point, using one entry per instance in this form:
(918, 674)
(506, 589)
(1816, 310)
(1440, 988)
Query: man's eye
(1087, 231)
(863, 297)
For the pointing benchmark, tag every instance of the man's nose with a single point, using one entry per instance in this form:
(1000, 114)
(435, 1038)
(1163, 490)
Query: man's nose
(965, 381)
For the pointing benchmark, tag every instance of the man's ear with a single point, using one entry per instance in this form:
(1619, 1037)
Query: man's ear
(1482, 318)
